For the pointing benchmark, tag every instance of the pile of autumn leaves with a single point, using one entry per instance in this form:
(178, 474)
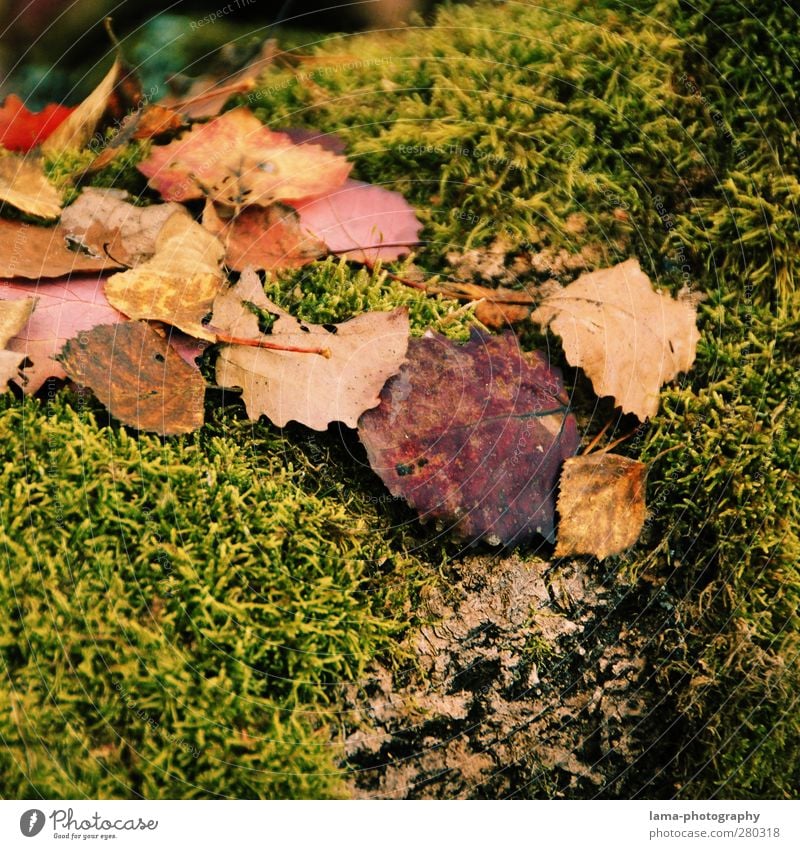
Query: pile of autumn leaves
(122, 299)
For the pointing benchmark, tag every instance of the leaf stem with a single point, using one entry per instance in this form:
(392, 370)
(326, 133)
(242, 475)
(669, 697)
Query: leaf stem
(272, 346)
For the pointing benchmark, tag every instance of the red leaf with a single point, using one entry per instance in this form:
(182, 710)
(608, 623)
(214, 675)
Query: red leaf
(364, 221)
(235, 160)
(474, 435)
(22, 130)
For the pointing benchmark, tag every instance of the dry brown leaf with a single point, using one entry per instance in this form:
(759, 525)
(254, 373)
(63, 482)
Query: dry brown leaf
(179, 284)
(14, 315)
(24, 186)
(313, 390)
(601, 505)
(104, 222)
(138, 376)
(33, 253)
(147, 123)
(79, 127)
(627, 337)
(263, 238)
(235, 160)
(495, 314)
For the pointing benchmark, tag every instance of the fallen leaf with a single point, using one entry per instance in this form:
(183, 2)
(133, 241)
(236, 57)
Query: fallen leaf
(207, 95)
(14, 315)
(600, 505)
(63, 309)
(138, 376)
(34, 252)
(73, 133)
(104, 221)
(21, 130)
(144, 123)
(24, 186)
(178, 284)
(263, 238)
(101, 161)
(496, 314)
(310, 389)
(237, 161)
(474, 435)
(627, 337)
(362, 221)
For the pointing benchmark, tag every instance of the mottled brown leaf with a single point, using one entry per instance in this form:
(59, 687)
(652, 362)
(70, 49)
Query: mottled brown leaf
(179, 284)
(24, 186)
(601, 505)
(307, 388)
(474, 436)
(627, 337)
(138, 376)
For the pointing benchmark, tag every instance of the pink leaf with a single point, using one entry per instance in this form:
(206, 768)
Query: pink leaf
(365, 222)
(64, 308)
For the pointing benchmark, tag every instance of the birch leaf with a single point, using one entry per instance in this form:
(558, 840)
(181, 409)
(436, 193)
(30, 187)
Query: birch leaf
(601, 505)
(311, 389)
(138, 376)
(474, 436)
(627, 337)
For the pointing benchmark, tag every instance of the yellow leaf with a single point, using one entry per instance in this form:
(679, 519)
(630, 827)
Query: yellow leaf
(179, 284)
(79, 127)
(24, 186)
(600, 504)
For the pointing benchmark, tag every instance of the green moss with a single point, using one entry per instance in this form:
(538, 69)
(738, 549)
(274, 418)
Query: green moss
(120, 173)
(178, 614)
(334, 291)
(723, 534)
